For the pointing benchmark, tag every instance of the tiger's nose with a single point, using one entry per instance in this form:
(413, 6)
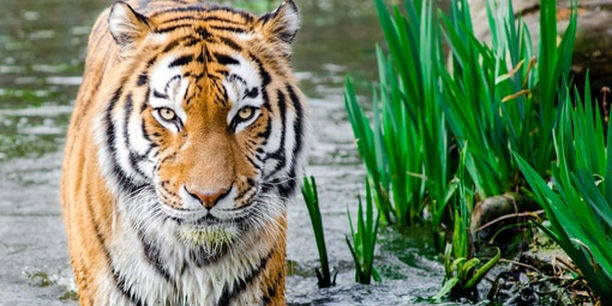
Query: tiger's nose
(208, 198)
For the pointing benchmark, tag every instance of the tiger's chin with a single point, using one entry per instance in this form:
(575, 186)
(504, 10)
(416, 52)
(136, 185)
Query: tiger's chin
(212, 238)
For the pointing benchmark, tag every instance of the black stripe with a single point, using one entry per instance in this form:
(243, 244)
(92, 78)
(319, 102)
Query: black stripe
(123, 180)
(229, 29)
(102, 241)
(202, 32)
(94, 221)
(119, 284)
(172, 79)
(224, 97)
(230, 43)
(142, 79)
(181, 61)
(250, 160)
(265, 75)
(252, 93)
(159, 95)
(279, 154)
(126, 289)
(288, 188)
(144, 130)
(198, 18)
(154, 58)
(200, 58)
(133, 157)
(138, 157)
(265, 81)
(152, 254)
(241, 284)
(208, 8)
(201, 258)
(144, 106)
(266, 133)
(192, 41)
(225, 60)
(199, 76)
(235, 77)
(173, 44)
(173, 28)
(272, 290)
(191, 8)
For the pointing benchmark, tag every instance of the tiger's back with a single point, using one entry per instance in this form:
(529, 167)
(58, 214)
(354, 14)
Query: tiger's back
(184, 145)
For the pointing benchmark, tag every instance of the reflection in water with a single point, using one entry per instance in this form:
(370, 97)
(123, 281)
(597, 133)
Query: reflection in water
(42, 44)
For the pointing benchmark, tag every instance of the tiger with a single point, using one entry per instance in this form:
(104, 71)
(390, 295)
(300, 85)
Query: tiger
(182, 153)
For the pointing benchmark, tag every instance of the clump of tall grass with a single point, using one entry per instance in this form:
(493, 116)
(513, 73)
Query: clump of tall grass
(405, 147)
(362, 242)
(501, 97)
(311, 198)
(492, 100)
(579, 202)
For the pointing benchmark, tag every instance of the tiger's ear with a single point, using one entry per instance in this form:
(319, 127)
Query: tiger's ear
(127, 26)
(282, 24)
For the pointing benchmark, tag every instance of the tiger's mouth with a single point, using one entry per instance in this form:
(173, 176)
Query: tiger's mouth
(203, 217)
(210, 232)
(211, 237)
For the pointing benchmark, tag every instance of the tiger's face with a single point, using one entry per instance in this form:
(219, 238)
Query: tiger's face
(207, 117)
(206, 120)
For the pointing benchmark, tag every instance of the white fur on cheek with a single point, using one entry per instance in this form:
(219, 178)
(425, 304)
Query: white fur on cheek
(227, 203)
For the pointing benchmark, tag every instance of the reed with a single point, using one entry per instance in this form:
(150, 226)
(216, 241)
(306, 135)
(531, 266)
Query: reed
(500, 97)
(405, 145)
(362, 241)
(578, 205)
(311, 198)
(463, 269)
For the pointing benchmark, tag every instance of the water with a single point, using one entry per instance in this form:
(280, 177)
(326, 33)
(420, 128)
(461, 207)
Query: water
(42, 44)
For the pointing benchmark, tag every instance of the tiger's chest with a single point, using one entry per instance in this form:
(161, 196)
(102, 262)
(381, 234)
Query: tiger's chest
(155, 268)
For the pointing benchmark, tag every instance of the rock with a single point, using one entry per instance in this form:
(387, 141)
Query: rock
(496, 207)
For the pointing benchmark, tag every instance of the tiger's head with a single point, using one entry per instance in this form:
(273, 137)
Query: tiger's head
(205, 122)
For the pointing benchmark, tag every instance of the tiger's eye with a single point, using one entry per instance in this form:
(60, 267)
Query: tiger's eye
(167, 114)
(246, 113)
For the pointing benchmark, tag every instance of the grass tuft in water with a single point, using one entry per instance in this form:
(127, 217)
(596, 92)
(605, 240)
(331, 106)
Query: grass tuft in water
(578, 200)
(463, 270)
(362, 242)
(311, 198)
